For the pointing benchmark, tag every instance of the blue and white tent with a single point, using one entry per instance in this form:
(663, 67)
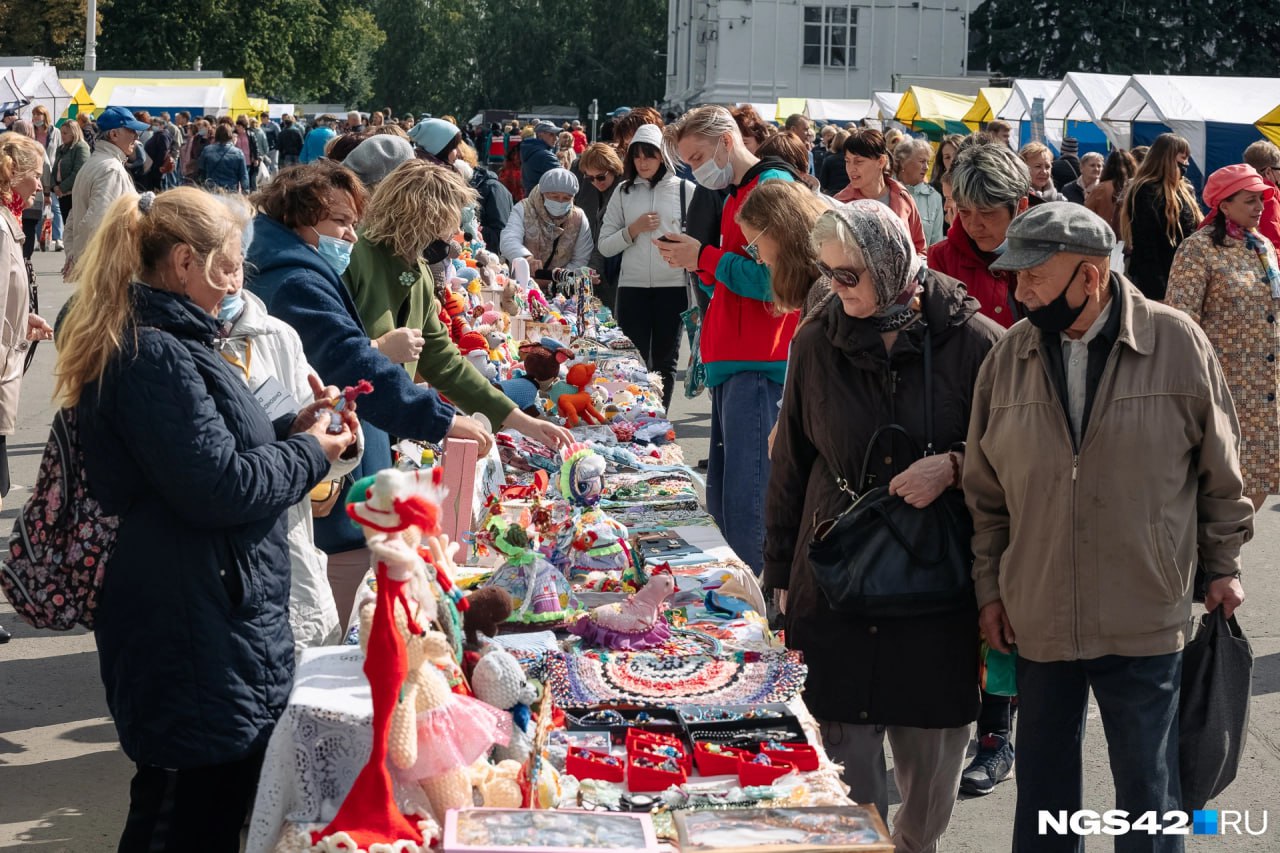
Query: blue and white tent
(1078, 105)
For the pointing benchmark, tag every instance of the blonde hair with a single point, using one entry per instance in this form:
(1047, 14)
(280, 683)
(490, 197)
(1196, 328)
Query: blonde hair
(73, 128)
(392, 129)
(1034, 149)
(468, 155)
(788, 210)
(19, 155)
(131, 244)
(709, 123)
(600, 156)
(416, 204)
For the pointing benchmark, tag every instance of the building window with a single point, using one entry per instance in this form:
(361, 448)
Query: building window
(830, 36)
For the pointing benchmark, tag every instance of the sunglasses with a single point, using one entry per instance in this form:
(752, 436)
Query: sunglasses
(597, 179)
(752, 250)
(842, 277)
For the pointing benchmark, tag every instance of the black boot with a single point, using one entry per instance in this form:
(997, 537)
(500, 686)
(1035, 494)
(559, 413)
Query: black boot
(4, 636)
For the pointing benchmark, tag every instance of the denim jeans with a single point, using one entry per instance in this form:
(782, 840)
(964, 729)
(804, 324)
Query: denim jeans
(1138, 700)
(57, 219)
(743, 409)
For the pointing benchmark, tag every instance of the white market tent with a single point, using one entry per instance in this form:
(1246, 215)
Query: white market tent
(11, 97)
(1078, 106)
(39, 85)
(767, 111)
(201, 99)
(840, 111)
(884, 105)
(1018, 109)
(1215, 114)
(277, 110)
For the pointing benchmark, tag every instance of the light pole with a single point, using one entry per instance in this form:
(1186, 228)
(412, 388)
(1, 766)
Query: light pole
(594, 115)
(91, 37)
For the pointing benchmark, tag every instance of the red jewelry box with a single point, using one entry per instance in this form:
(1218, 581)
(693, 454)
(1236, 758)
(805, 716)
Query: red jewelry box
(584, 763)
(762, 774)
(802, 755)
(722, 763)
(651, 779)
(639, 741)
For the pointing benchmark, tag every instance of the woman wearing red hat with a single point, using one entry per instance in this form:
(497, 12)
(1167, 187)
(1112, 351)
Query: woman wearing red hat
(1227, 278)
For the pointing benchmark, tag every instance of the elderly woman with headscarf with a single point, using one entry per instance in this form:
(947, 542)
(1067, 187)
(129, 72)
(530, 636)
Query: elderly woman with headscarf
(547, 228)
(858, 366)
(1225, 276)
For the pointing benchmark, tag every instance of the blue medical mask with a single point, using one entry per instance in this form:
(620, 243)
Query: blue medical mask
(557, 208)
(999, 250)
(232, 305)
(712, 175)
(336, 252)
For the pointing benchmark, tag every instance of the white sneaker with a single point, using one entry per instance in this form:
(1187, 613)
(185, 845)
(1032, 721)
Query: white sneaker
(57, 245)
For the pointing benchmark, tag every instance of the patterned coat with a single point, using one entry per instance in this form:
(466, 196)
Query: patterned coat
(1225, 290)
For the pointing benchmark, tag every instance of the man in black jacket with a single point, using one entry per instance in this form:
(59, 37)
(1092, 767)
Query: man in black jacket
(495, 205)
(289, 142)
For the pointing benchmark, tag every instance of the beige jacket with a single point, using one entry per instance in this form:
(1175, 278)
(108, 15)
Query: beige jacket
(13, 319)
(100, 182)
(1093, 552)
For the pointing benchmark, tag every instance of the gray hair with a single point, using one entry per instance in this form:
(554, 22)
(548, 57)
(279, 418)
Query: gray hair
(1091, 155)
(904, 150)
(989, 176)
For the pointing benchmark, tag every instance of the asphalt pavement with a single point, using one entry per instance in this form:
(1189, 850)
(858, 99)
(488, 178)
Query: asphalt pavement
(64, 782)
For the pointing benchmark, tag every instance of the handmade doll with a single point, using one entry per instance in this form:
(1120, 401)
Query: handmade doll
(635, 624)
(540, 594)
(599, 541)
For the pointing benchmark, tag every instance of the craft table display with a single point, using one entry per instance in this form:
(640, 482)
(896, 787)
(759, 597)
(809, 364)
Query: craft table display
(706, 676)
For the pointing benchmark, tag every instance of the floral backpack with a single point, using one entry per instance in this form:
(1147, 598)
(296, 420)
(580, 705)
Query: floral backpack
(61, 540)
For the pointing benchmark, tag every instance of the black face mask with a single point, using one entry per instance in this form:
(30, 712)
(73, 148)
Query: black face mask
(437, 251)
(1058, 315)
(1182, 169)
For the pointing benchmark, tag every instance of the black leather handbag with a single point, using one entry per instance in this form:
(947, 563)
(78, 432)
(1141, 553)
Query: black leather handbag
(882, 557)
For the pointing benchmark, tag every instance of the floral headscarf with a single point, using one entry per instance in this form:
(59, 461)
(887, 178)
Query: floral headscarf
(887, 250)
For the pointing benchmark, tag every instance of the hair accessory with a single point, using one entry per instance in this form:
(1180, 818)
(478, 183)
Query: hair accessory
(145, 201)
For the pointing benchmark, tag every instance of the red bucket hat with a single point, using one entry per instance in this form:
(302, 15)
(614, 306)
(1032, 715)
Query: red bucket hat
(1228, 181)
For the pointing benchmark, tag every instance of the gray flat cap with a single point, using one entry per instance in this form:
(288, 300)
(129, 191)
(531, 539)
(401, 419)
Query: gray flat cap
(1049, 229)
(545, 127)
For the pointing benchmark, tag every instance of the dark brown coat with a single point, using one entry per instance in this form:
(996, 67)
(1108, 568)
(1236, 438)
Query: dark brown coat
(841, 387)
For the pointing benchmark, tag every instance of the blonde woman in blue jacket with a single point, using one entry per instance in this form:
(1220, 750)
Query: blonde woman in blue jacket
(651, 201)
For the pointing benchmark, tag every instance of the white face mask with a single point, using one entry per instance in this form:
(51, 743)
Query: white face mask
(557, 208)
(712, 175)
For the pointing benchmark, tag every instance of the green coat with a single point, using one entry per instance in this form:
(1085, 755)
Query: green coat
(389, 294)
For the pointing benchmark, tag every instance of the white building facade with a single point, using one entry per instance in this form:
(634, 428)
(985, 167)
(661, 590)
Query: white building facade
(730, 51)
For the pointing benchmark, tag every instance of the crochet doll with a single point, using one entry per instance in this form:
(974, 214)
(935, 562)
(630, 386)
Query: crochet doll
(435, 734)
(539, 592)
(599, 541)
(635, 624)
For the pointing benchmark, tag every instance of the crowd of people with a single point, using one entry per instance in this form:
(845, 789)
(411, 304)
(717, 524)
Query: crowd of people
(848, 281)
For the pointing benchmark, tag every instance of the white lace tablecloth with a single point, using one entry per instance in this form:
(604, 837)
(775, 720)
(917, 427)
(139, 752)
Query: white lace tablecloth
(318, 748)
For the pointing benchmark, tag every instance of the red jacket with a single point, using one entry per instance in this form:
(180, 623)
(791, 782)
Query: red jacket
(579, 142)
(901, 203)
(741, 332)
(958, 257)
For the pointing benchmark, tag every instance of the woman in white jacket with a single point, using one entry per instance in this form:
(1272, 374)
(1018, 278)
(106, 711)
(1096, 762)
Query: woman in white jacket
(651, 200)
(267, 352)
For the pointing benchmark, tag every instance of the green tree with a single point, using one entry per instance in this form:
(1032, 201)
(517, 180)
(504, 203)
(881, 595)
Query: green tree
(429, 60)
(51, 28)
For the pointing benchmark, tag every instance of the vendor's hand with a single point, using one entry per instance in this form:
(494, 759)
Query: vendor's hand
(401, 345)
(996, 630)
(552, 435)
(466, 427)
(642, 223)
(680, 250)
(38, 329)
(927, 478)
(1227, 591)
(535, 264)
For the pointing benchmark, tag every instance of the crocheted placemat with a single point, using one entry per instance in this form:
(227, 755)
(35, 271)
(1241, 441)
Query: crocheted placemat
(691, 679)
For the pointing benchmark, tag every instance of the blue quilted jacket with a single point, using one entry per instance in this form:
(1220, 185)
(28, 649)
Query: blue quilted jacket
(192, 628)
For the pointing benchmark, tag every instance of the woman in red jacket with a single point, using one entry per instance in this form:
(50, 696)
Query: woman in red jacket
(989, 183)
(866, 159)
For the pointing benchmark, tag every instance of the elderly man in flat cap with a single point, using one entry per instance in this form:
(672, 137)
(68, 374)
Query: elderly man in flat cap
(1101, 465)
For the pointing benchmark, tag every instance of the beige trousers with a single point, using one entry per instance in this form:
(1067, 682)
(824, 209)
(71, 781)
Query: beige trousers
(927, 764)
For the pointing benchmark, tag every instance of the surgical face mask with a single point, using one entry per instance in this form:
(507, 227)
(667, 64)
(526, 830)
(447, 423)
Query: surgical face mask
(38, 123)
(232, 305)
(558, 208)
(712, 175)
(336, 252)
(204, 134)
(1058, 315)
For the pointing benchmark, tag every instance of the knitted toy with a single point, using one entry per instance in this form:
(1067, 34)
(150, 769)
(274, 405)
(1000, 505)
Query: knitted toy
(487, 609)
(599, 542)
(635, 624)
(577, 405)
(541, 368)
(475, 348)
(453, 314)
(499, 681)
(498, 785)
(435, 734)
(539, 592)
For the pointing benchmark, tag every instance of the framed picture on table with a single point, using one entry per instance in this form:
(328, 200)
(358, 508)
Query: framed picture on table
(826, 829)
(538, 831)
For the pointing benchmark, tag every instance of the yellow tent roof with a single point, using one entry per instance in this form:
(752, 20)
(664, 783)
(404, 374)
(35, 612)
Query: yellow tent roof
(79, 94)
(1269, 124)
(934, 111)
(238, 101)
(259, 106)
(990, 101)
(791, 106)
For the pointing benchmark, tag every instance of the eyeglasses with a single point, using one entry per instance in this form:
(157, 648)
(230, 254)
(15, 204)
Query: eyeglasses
(752, 250)
(597, 179)
(842, 277)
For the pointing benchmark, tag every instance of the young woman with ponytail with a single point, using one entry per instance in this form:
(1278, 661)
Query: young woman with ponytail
(192, 626)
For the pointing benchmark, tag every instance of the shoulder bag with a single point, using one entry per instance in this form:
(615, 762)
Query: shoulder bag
(695, 375)
(882, 557)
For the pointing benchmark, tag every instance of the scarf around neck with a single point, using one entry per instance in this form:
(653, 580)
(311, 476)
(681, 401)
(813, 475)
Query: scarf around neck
(553, 243)
(1256, 243)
